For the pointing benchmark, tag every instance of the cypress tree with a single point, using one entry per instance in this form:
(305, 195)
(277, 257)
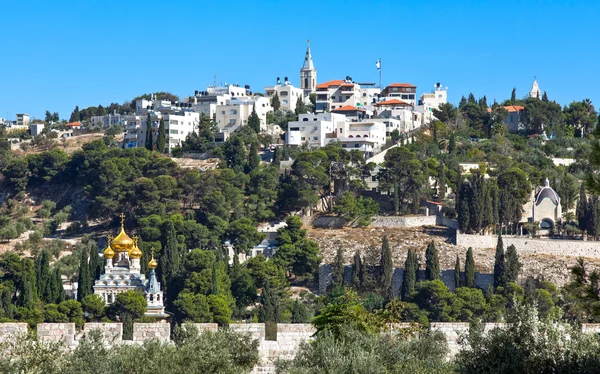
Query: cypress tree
(357, 271)
(432, 263)
(43, 277)
(409, 277)
(58, 290)
(95, 264)
(253, 157)
(545, 97)
(6, 302)
(513, 265)
(442, 182)
(161, 141)
(299, 313)
(149, 145)
(499, 264)
(387, 269)
(254, 120)
(457, 273)
(28, 296)
(452, 143)
(172, 258)
(300, 106)
(582, 208)
(464, 217)
(270, 304)
(513, 95)
(470, 269)
(84, 285)
(275, 103)
(214, 282)
(338, 269)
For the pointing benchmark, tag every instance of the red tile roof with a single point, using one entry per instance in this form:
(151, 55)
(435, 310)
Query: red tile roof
(510, 108)
(337, 82)
(347, 108)
(73, 124)
(348, 85)
(401, 85)
(393, 102)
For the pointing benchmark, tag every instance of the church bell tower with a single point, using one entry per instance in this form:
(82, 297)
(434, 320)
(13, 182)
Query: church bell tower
(308, 73)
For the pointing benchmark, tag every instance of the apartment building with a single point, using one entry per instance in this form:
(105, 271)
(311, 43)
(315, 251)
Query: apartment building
(177, 127)
(230, 116)
(287, 93)
(401, 91)
(337, 94)
(22, 120)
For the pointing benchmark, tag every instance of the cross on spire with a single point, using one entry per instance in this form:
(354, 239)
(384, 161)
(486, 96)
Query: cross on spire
(122, 219)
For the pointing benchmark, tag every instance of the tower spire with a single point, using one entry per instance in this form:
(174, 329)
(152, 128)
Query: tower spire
(308, 62)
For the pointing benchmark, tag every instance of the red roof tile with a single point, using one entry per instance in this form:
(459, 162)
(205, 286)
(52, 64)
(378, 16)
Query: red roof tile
(393, 102)
(347, 108)
(73, 124)
(401, 85)
(337, 82)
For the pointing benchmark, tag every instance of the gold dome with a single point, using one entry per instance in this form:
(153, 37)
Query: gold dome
(108, 252)
(122, 243)
(153, 263)
(135, 251)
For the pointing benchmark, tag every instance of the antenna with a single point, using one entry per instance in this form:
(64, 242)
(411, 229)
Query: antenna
(215, 80)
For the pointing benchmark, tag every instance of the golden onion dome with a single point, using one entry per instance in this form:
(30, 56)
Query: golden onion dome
(109, 253)
(153, 263)
(135, 251)
(122, 243)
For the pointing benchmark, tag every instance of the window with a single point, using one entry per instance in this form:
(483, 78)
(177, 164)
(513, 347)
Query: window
(305, 83)
(233, 111)
(294, 128)
(173, 122)
(356, 145)
(284, 101)
(305, 119)
(332, 97)
(412, 97)
(175, 132)
(341, 130)
(374, 178)
(303, 138)
(344, 145)
(222, 112)
(316, 138)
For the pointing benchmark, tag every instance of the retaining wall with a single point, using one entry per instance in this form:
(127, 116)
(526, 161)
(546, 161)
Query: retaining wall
(576, 248)
(404, 221)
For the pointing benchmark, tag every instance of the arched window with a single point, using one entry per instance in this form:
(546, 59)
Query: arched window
(158, 297)
(151, 297)
(305, 82)
(546, 224)
(351, 136)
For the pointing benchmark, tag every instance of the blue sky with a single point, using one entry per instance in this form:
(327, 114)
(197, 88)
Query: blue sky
(58, 54)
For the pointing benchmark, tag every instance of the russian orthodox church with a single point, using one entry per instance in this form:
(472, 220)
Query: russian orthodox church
(122, 272)
(535, 91)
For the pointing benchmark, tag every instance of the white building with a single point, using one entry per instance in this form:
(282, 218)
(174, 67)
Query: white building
(287, 93)
(22, 120)
(339, 93)
(122, 272)
(535, 90)
(177, 127)
(401, 91)
(230, 116)
(398, 115)
(318, 130)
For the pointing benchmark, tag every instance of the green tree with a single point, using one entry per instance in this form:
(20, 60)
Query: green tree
(254, 120)
(299, 312)
(357, 271)
(512, 265)
(387, 269)
(513, 95)
(296, 253)
(338, 269)
(442, 182)
(432, 263)
(128, 307)
(161, 141)
(43, 277)
(253, 157)
(499, 275)
(582, 208)
(243, 287)
(94, 307)
(403, 177)
(409, 277)
(171, 261)
(457, 282)
(149, 140)
(83, 279)
(275, 103)
(470, 269)
(300, 106)
(269, 301)
(75, 115)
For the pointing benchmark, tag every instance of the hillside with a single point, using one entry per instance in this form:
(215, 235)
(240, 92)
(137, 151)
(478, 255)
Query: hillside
(555, 269)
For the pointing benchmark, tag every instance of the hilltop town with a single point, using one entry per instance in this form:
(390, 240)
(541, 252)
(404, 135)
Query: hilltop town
(300, 202)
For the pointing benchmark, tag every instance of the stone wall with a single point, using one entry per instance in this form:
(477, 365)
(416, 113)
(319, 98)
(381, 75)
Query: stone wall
(112, 332)
(329, 222)
(404, 221)
(150, 331)
(56, 332)
(576, 248)
(10, 331)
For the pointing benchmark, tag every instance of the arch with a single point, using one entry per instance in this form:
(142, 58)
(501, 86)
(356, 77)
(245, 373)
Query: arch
(151, 297)
(350, 136)
(158, 297)
(305, 83)
(546, 224)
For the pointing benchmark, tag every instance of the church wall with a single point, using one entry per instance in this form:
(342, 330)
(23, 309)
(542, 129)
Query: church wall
(546, 209)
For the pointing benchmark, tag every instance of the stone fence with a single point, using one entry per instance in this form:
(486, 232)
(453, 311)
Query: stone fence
(560, 247)
(289, 336)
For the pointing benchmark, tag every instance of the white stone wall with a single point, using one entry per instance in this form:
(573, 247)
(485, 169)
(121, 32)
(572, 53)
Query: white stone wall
(575, 248)
(56, 332)
(150, 331)
(403, 221)
(112, 332)
(10, 331)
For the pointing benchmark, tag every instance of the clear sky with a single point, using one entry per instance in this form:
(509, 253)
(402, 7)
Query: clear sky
(58, 54)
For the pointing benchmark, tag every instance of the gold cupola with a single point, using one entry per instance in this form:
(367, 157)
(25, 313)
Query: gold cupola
(153, 263)
(122, 243)
(108, 252)
(135, 252)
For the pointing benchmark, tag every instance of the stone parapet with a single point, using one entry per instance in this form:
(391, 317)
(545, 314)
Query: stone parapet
(151, 331)
(56, 332)
(10, 331)
(112, 333)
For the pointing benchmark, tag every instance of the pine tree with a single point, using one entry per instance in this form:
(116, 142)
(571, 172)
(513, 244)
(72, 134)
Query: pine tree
(409, 277)
(452, 143)
(7, 303)
(442, 181)
(462, 103)
(214, 283)
(582, 208)
(149, 145)
(457, 273)
(253, 157)
(275, 103)
(387, 269)
(338, 269)
(513, 95)
(75, 117)
(545, 97)
(254, 120)
(470, 269)
(84, 286)
(161, 141)
(432, 263)
(471, 99)
(513, 266)
(499, 264)
(357, 271)
(300, 106)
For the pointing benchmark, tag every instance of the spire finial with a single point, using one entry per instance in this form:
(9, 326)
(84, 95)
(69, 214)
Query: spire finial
(109, 239)
(152, 252)
(122, 219)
